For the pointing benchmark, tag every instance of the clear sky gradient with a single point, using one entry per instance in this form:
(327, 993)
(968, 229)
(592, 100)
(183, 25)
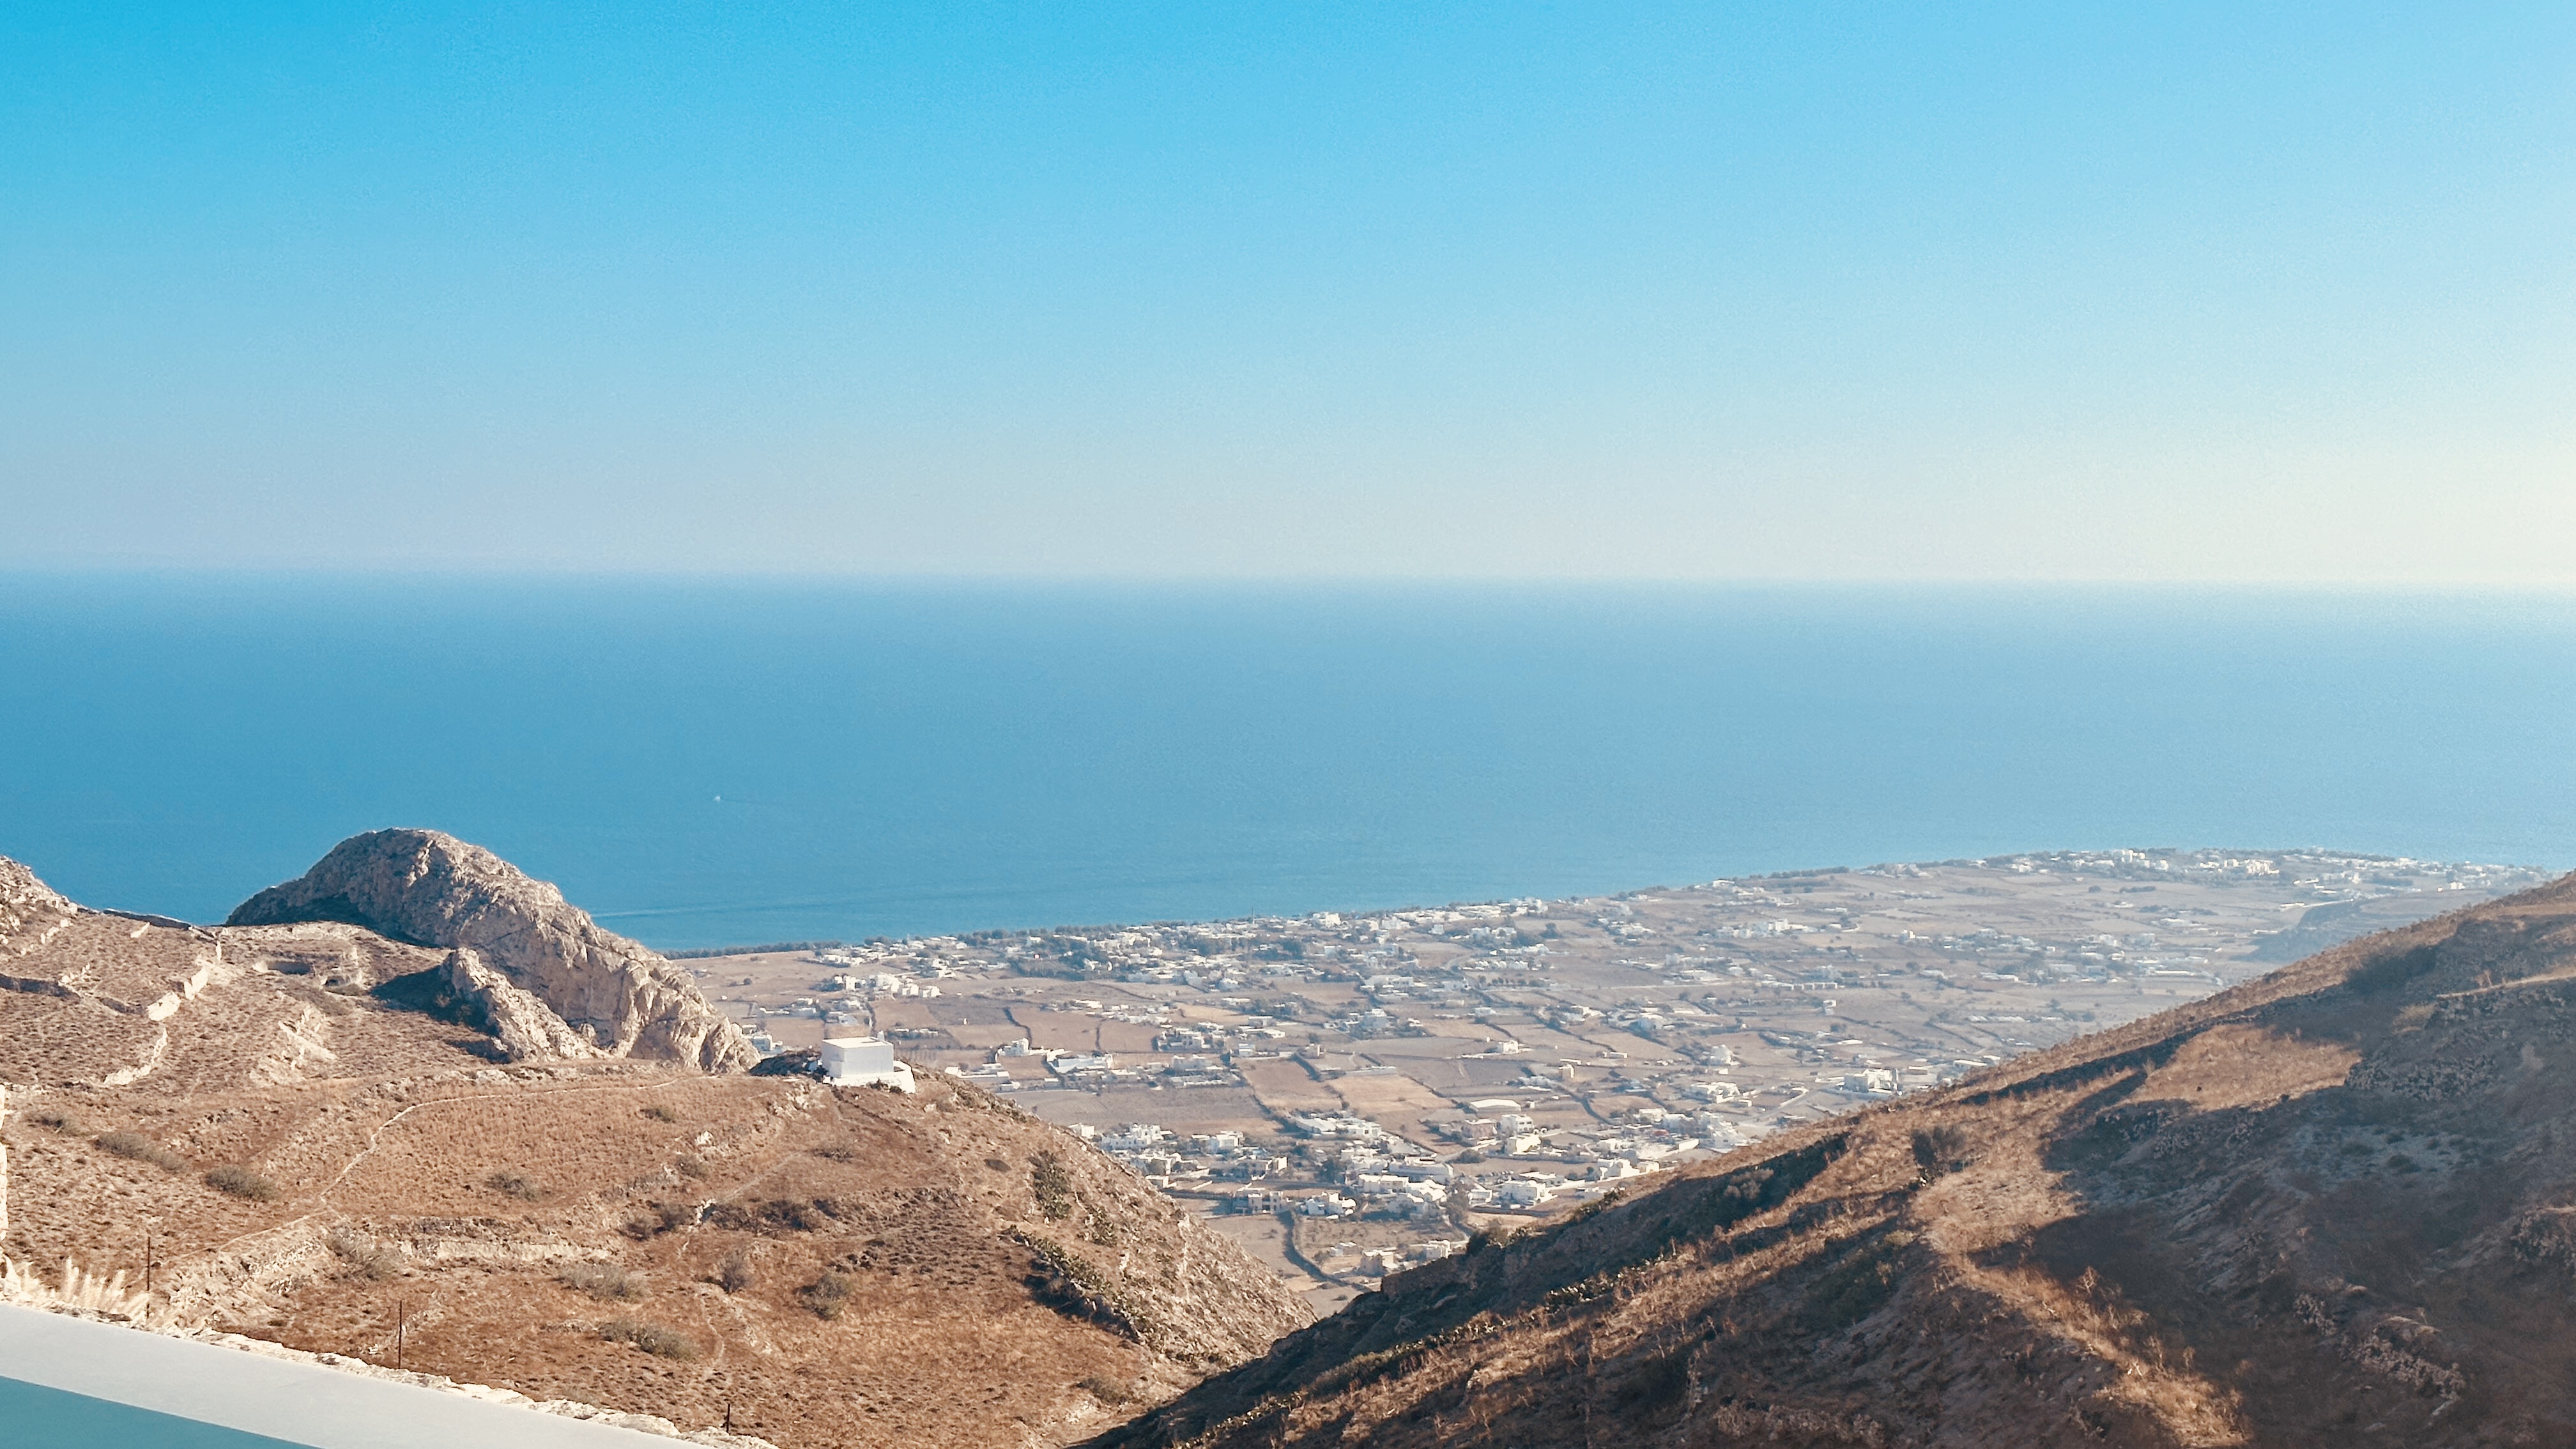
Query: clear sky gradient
(2242, 291)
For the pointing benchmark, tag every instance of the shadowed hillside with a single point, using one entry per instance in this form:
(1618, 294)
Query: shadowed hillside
(2333, 1206)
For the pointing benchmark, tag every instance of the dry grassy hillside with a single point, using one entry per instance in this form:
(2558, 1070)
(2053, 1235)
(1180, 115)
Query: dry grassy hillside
(262, 1115)
(2334, 1206)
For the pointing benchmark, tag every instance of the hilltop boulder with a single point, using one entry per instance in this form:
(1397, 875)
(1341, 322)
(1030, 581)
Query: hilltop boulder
(613, 996)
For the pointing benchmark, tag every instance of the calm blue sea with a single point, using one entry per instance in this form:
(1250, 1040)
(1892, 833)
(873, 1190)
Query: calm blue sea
(35, 1417)
(704, 763)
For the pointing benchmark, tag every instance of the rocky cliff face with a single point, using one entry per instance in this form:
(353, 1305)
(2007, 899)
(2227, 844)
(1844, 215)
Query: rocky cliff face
(525, 953)
(25, 901)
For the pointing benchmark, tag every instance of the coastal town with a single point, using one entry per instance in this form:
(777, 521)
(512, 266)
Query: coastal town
(1347, 1094)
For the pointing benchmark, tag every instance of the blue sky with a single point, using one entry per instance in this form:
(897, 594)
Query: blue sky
(2185, 292)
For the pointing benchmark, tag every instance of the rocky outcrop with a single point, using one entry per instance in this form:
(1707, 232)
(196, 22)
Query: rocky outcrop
(21, 890)
(525, 1028)
(608, 995)
(25, 902)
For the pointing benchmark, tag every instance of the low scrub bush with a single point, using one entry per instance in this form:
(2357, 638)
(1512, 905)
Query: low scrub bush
(515, 1183)
(659, 1339)
(1940, 1150)
(241, 1182)
(691, 1165)
(829, 1294)
(659, 1218)
(143, 1149)
(1853, 1288)
(55, 1119)
(366, 1258)
(1073, 1286)
(1051, 1185)
(663, 1112)
(605, 1280)
(734, 1274)
(776, 1215)
(802, 1062)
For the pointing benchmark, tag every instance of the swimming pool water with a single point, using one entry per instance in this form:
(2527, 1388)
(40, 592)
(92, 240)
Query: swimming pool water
(35, 1417)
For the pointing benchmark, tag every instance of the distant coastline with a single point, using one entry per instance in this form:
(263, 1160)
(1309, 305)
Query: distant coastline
(908, 760)
(2323, 922)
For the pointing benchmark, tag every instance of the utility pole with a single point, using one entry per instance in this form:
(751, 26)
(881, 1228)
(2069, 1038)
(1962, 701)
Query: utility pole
(402, 1309)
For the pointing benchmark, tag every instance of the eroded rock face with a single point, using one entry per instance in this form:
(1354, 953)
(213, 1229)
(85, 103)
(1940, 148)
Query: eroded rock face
(23, 897)
(614, 996)
(525, 1028)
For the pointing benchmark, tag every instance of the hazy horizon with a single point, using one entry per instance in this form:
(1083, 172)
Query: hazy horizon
(2544, 592)
(2212, 294)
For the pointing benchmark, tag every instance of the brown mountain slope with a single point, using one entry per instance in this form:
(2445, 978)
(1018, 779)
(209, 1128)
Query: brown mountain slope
(297, 1155)
(2333, 1206)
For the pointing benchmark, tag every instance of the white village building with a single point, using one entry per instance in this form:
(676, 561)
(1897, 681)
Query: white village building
(864, 1061)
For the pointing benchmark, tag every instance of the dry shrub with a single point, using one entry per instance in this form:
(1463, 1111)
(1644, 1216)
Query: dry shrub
(659, 1339)
(515, 1183)
(241, 1182)
(805, 1217)
(691, 1165)
(55, 1119)
(660, 1217)
(1108, 1391)
(1051, 1185)
(143, 1149)
(734, 1274)
(829, 1294)
(774, 1215)
(836, 1152)
(366, 1258)
(663, 1112)
(1867, 1276)
(605, 1280)
(1940, 1150)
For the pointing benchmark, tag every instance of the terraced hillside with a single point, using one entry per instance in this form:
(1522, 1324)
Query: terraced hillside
(2333, 1206)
